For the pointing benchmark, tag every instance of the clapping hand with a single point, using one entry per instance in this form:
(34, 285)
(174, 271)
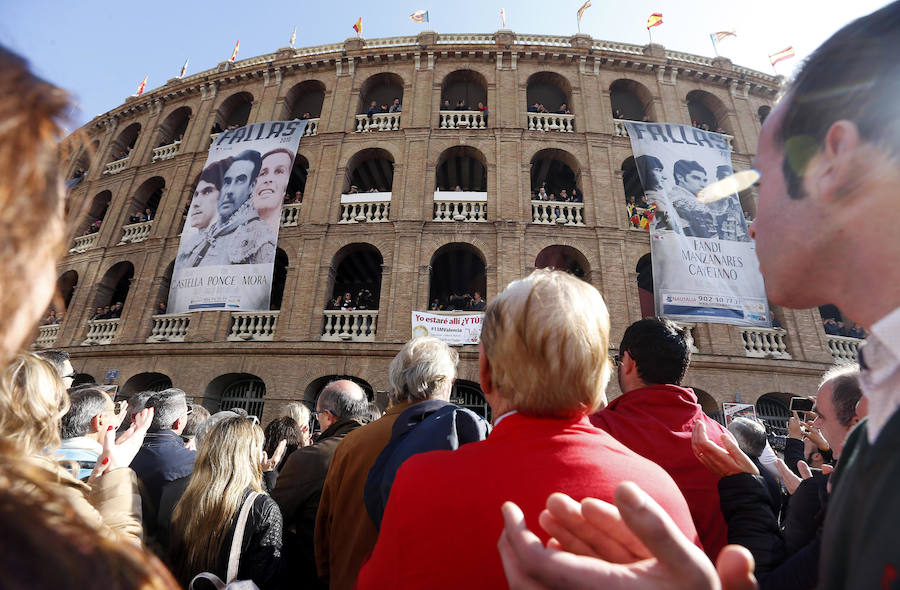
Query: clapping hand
(119, 453)
(728, 461)
(277, 456)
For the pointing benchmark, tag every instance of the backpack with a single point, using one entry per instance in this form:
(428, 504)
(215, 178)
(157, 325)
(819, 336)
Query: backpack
(234, 558)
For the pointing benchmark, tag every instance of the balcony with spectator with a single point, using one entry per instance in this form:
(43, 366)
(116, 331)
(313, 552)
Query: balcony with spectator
(460, 185)
(555, 196)
(366, 197)
(548, 97)
(464, 95)
(378, 95)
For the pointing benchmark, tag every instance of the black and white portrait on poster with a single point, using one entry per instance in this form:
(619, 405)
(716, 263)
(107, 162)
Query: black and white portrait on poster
(704, 261)
(226, 256)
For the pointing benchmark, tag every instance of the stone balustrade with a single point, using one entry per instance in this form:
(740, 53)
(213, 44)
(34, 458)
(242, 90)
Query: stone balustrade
(765, 343)
(101, 331)
(257, 326)
(462, 120)
(166, 152)
(312, 127)
(169, 328)
(843, 349)
(290, 215)
(47, 336)
(557, 212)
(84, 243)
(116, 167)
(365, 207)
(136, 232)
(350, 326)
(213, 137)
(622, 131)
(460, 206)
(378, 122)
(551, 122)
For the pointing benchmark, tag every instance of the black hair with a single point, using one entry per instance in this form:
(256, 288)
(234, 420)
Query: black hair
(661, 350)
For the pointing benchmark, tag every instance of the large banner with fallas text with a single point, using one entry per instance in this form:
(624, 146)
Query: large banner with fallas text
(226, 256)
(704, 263)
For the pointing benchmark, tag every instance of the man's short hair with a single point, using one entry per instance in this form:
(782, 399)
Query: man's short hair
(845, 392)
(214, 173)
(661, 350)
(84, 404)
(57, 357)
(198, 416)
(424, 368)
(168, 406)
(546, 338)
(684, 167)
(250, 156)
(138, 401)
(854, 75)
(345, 399)
(750, 436)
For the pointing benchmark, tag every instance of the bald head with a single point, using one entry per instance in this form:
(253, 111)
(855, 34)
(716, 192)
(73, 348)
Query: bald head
(341, 400)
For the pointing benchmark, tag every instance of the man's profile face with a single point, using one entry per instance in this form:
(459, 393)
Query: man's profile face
(67, 369)
(237, 185)
(203, 205)
(826, 418)
(694, 181)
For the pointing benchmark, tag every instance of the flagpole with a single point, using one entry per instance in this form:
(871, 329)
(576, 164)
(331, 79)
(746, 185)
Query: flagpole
(650, 34)
(579, 25)
(713, 41)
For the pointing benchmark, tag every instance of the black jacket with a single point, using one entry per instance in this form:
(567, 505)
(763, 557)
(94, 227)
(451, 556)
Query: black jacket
(162, 459)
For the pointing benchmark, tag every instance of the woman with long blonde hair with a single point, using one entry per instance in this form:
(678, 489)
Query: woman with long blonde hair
(228, 469)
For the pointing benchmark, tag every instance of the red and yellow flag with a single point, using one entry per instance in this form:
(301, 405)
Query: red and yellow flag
(141, 86)
(722, 35)
(584, 7)
(234, 53)
(655, 20)
(786, 53)
(358, 27)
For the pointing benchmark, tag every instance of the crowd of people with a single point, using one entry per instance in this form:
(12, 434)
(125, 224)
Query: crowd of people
(837, 327)
(108, 312)
(458, 302)
(538, 107)
(563, 489)
(374, 108)
(347, 302)
(572, 195)
(147, 214)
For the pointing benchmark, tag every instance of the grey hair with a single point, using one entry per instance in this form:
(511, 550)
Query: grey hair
(168, 406)
(206, 426)
(846, 391)
(345, 399)
(750, 436)
(299, 412)
(138, 401)
(198, 416)
(84, 404)
(57, 357)
(423, 369)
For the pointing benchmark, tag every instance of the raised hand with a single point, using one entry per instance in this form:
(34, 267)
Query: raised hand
(728, 461)
(277, 456)
(119, 453)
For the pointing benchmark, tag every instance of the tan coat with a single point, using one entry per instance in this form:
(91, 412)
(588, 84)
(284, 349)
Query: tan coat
(345, 534)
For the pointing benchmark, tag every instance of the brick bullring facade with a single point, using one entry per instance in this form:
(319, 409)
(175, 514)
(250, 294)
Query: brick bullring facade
(415, 238)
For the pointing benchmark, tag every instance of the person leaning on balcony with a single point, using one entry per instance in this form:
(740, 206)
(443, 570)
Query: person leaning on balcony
(461, 105)
(563, 110)
(373, 109)
(445, 106)
(395, 106)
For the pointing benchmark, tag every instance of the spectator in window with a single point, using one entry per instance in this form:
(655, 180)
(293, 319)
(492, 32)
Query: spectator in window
(373, 109)
(563, 110)
(353, 189)
(148, 214)
(535, 108)
(106, 311)
(576, 195)
(477, 303)
(271, 185)
(435, 305)
(364, 299)
(461, 105)
(116, 310)
(855, 331)
(304, 116)
(161, 308)
(445, 106)
(484, 111)
(298, 197)
(457, 189)
(563, 195)
(617, 114)
(98, 314)
(347, 303)
(395, 106)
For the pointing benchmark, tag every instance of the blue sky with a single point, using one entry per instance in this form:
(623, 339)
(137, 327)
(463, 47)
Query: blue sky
(100, 51)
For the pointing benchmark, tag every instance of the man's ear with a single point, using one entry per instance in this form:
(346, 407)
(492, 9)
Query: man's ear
(180, 422)
(836, 168)
(97, 423)
(484, 371)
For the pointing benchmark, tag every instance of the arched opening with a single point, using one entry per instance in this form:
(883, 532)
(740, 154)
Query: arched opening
(380, 89)
(558, 173)
(146, 199)
(235, 390)
(457, 273)
(461, 168)
(640, 209)
(630, 100)
(233, 112)
(65, 287)
(550, 91)
(145, 382)
(82, 164)
(706, 111)
(463, 90)
(174, 126)
(773, 410)
(468, 394)
(644, 270)
(95, 215)
(710, 405)
(369, 171)
(279, 278)
(162, 296)
(564, 258)
(836, 323)
(297, 184)
(113, 289)
(305, 100)
(124, 143)
(356, 272)
(763, 112)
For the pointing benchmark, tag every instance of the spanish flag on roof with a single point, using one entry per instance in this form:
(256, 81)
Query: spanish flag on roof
(786, 53)
(358, 27)
(655, 20)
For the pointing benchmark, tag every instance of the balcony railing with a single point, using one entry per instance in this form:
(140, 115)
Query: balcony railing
(622, 131)
(551, 122)
(365, 207)
(378, 122)
(166, 152)
(101, 331)
(557, 212)
(290, 215)
(765, 343)
(213, 137)
(84, 243)
(350, 326)
(843, 349)
(460, 206)
(312, 127)
(47, 336)
(462, 120)
(253, 325)
(116, 167)
(169, 328)
(136, 232)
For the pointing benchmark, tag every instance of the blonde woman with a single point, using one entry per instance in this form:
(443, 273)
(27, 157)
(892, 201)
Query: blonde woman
(227, 470)
(300, 413)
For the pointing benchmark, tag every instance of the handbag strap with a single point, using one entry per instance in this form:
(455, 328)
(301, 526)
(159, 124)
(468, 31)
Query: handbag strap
(234, 559)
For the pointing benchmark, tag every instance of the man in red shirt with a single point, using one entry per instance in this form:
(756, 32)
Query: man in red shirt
(654, 418)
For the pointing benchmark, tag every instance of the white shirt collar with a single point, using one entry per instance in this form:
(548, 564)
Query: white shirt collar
(887, 330)
(880, 372)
